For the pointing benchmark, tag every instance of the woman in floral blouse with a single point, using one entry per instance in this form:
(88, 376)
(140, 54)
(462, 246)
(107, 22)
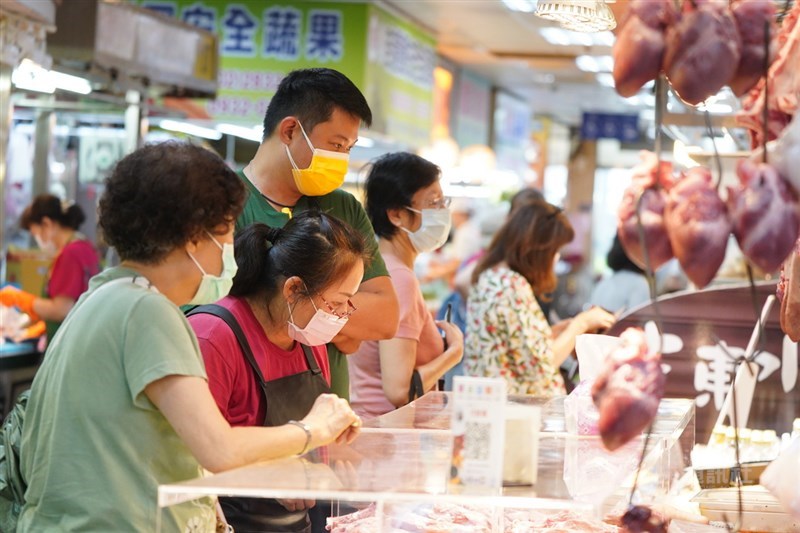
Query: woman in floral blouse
(507, 333)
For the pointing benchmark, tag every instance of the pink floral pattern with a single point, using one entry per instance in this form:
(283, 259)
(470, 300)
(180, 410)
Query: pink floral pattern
(508, 335)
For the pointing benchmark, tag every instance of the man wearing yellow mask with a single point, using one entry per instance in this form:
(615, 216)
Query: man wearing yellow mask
(310, 126)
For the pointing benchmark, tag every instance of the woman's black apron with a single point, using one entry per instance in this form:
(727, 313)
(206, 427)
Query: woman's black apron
(287, 398)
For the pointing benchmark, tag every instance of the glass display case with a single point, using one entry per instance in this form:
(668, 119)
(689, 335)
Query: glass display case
(395, 476)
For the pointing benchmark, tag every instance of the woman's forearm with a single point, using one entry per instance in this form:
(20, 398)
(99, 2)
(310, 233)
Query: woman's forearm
(564, 342)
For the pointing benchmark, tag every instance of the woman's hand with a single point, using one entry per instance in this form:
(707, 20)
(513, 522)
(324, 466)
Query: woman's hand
(331, 419)
(596, 319)
(297, 505)
(11, 296)
(453, 336)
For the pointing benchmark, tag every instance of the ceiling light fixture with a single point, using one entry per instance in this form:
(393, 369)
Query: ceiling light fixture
(578, 15)
(525, 6)
(190, 129)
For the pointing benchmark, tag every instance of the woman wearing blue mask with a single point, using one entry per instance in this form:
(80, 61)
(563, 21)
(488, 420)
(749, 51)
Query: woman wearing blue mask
(121, 403)
(264, 344)
(410, 215)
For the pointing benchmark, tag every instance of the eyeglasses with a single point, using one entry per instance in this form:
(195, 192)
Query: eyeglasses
(441, 203)
(350, 308)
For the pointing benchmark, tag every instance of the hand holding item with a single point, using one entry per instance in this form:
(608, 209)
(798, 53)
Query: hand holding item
(34, 331)
(297, 505)
(452, 334)
(331, 419)
(11, 296)
(596, 319)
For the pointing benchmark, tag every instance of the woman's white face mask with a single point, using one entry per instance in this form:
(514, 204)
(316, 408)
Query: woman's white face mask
(433, 231)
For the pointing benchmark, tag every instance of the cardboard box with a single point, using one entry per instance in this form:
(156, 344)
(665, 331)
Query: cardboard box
(27, 268)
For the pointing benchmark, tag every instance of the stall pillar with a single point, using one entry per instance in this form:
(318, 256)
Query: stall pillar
(6, 110)
(41, 151)
(133, 121)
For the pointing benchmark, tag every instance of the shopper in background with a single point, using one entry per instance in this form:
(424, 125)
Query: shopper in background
(464, 243)
(625, 288)
(54, 225)
(507, 334)
(310, 126)
(409, 213)
(302, 276)
(94, 451)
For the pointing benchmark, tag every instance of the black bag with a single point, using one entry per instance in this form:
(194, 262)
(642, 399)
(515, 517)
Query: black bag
(416, 389)
(12, 486)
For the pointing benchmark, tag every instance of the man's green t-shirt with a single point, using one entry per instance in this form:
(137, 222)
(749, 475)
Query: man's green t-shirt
(94, 448)
(343, 206)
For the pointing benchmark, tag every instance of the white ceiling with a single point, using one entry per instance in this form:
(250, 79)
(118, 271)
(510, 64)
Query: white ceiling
(507, 47)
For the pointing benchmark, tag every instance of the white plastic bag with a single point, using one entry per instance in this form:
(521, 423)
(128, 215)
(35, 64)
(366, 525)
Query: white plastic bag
(782, 478)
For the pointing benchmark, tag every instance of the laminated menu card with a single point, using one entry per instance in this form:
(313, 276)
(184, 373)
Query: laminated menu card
(478, 426)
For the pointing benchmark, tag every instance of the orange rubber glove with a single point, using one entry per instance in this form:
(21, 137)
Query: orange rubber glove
(11, 296)
(32, 332)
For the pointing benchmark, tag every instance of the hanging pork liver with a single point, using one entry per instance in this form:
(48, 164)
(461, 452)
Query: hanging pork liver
(703, 50)
(628, 390)
(765, 215)
(646, 177)
(639, 49)
(751, 17)
(698, 226)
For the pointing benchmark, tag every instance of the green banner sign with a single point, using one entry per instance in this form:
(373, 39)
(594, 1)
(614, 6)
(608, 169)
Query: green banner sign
(388, 58)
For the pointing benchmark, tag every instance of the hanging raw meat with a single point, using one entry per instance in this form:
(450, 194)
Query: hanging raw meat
(751, 17)
(628, 390)
(698, 226)
(789, 294)
(703, 50)
(639, 49)
(765, 215)
(786, 156)
(646, 176)
(784, 84)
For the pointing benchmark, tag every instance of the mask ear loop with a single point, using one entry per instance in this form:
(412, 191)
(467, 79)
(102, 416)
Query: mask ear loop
(308, 141)
(196, 263)
(312, 303)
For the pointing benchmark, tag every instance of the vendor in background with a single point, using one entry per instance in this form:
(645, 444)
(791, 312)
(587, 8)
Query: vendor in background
(302, 276)
(94, 451)
(54, 225)
(507, 334)
(310, 126)
(408, 211)
(625, 288)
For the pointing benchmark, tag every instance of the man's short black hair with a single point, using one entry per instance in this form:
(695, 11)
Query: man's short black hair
(311, 95)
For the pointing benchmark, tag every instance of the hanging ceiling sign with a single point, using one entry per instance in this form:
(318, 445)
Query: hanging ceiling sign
(625, 128)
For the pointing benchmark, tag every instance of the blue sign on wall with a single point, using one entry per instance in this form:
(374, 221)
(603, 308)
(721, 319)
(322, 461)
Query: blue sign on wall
(610, 126)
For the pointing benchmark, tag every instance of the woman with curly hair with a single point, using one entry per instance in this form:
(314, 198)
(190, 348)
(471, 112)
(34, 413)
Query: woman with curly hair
(508, 336)
(121, 403)
(54, 225)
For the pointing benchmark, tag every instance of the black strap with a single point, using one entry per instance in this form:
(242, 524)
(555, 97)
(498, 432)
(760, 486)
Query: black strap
(227, 317)
(416, 389)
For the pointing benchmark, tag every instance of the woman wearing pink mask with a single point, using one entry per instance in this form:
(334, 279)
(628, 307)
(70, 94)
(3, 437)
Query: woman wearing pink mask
(290, 296)
(410, 215)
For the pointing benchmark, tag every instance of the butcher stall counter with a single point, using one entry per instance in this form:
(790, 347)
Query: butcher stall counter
(395, 475)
